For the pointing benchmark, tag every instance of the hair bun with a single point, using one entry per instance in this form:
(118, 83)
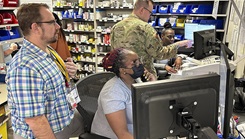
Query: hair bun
(110, 58)
(167, 25)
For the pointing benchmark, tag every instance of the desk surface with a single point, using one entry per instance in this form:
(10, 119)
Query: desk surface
(3, 93)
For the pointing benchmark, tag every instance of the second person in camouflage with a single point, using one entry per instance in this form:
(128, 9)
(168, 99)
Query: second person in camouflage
(136, 34)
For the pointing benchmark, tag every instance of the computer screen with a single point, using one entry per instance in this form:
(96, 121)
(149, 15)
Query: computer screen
(190, 28)
(157, 105)
(204, 43)
(227, 87)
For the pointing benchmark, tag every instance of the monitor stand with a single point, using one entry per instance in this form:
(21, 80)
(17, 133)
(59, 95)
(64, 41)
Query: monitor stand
(195, 129)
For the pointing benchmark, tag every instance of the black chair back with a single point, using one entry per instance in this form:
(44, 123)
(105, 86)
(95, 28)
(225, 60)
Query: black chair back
(89, 89)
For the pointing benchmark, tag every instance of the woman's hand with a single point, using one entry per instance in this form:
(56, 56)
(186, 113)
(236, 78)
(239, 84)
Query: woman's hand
(170, 69)
(178, 63)
(71, 67)
(149, 76)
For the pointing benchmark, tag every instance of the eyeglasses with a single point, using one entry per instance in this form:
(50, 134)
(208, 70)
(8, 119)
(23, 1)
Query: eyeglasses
(148, 11)
(136, 63)
(48, 22)
(170, 37)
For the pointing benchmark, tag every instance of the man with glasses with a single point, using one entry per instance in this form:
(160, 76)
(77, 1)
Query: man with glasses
(136, 34)
(38, 81)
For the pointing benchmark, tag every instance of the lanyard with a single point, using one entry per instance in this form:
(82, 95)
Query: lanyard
(60, 63)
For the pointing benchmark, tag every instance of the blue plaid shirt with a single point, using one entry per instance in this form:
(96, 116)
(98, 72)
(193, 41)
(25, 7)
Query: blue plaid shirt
(36, 87)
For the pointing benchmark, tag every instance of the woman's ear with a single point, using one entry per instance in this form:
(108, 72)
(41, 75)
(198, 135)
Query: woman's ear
(122, 70)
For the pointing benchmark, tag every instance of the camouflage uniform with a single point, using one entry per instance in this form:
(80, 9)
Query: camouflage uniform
(140, 37)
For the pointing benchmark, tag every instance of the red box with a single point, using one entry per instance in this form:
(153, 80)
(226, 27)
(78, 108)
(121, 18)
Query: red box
(10, 3)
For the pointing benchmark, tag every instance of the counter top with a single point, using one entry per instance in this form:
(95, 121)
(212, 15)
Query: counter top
(3, 93)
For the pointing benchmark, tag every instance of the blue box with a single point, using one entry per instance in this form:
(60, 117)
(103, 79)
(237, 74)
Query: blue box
(161, 23)
(164, 9)
(218, 23)
(4, 35)
(179, 37)
(202, 9)
(155, 9)
(182, 9)
(14, 33)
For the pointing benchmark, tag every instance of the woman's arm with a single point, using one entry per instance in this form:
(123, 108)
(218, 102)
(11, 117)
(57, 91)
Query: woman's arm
(117, 121)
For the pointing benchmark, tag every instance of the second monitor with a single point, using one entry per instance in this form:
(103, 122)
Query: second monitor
(204, 43)
(174, 107)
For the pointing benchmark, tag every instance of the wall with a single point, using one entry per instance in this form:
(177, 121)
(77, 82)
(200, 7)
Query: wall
(235, 34)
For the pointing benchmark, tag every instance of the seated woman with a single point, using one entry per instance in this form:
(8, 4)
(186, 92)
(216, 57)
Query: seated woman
(173, 64)
(113, 118)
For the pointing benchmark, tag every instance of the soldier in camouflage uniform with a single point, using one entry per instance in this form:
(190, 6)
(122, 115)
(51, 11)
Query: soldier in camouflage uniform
(137, 35)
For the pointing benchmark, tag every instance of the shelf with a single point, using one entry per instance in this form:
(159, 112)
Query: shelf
(86, 71)
(85, 43)
(203, 15)
(8, 8)
(184, 0)
(4, 121)
(79, 20)
(12, 40)
(79, 31)
(91, 44)
(88, 62)
(102, 44)
(220, 30)
(160, 27)
(103, 20)
(90, 53)
(114, 8)
(70, 7)
(101, 53)
(9, 25)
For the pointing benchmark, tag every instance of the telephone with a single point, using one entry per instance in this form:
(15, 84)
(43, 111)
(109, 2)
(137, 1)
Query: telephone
(206, 60)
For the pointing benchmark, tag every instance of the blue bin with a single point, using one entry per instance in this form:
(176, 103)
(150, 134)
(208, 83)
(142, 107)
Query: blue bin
(153, 23)
(155, 9)
(65, 14)
(164, 9)
(14, 33)
(202, 9)
(196, 21)
(161, 23)
(4, 35)
(218, 23)
(182, 9)
(179, 37)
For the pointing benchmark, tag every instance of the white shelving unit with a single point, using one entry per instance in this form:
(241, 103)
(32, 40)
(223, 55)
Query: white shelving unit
(222, 9)
(92, 51)
(98, 45)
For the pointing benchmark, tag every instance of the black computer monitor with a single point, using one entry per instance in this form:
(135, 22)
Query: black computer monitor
(227, 87)
(158, 106)
(204, 43)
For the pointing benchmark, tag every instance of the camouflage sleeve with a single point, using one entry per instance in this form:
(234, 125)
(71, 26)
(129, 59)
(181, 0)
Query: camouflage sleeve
(112, 38)
(154, 45)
